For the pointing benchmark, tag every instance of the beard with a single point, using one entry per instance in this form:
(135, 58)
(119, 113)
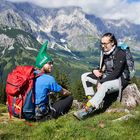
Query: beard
(47, 70)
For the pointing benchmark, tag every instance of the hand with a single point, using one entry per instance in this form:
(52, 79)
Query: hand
(97, 73)
(65, 92)
(98, 85)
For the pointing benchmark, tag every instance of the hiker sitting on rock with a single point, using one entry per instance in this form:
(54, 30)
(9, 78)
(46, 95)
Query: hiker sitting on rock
(112, 75)
(44, 85)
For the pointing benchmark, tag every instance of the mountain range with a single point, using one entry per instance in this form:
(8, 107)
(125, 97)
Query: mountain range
(65, 25)
(73, 34)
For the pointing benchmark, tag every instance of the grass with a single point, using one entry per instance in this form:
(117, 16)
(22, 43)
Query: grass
(96, 127)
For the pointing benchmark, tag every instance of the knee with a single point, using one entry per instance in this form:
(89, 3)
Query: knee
(83, 76)
(69, 100)
(104, 86)
(70, 97)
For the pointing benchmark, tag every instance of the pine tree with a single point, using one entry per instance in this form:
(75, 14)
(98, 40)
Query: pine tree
(77, 90)
(2, 94)
(62, 78)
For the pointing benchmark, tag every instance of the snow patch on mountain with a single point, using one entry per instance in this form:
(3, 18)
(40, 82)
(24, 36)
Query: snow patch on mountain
(11, 48)
(29, 48)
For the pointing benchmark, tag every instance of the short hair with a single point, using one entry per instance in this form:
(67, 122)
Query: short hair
(112, 38)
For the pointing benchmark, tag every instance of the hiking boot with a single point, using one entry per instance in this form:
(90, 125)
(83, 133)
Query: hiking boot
(83, 113)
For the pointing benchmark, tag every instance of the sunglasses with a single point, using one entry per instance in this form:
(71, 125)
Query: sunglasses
(105, 44)
(50, 62)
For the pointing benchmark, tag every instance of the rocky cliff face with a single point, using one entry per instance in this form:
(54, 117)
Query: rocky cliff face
(69, 27)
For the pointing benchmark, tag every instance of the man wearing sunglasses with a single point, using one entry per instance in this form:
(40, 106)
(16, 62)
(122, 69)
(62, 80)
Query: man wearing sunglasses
(111, 76)
(44, 85)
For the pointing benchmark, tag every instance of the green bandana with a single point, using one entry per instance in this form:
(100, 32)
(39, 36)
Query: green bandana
(43, 57)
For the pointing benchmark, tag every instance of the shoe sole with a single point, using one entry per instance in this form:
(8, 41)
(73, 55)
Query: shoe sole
(75, 115)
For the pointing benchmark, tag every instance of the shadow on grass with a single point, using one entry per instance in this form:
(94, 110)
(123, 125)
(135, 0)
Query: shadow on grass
(107, 102)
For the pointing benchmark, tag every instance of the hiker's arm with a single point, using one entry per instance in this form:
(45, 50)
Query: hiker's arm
(119, 66)
(65, 92)
(97, 73)
(55, 87)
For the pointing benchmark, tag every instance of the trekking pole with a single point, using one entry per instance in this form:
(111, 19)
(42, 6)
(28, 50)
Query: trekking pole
(101, 61)
(100, 66)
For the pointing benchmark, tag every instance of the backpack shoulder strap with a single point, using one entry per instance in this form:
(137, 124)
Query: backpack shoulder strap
(38, 74)
(115, 52)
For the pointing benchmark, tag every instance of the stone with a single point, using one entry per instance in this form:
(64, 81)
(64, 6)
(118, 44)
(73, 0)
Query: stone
(131, 96)
(76, 104)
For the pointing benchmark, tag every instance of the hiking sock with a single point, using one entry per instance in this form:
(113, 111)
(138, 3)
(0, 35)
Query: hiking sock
(89, 97)
(88, 104)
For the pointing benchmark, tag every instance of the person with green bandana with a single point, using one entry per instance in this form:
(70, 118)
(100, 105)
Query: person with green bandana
(45, 84)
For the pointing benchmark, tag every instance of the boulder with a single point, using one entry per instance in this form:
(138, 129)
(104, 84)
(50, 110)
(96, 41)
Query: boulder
(76, 104)
(131, 96)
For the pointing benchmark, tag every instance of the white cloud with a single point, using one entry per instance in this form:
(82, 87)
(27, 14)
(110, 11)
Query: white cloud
(109, 9)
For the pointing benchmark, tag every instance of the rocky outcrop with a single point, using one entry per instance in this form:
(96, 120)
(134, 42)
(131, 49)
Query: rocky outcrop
(131, 96)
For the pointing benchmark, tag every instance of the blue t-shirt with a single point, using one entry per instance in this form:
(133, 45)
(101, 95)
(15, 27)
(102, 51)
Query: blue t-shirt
(43, 85)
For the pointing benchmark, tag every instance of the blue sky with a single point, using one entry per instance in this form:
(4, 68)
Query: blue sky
(131, 1)
(107, 9)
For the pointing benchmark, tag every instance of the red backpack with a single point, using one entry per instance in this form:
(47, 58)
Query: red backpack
(20, 92)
